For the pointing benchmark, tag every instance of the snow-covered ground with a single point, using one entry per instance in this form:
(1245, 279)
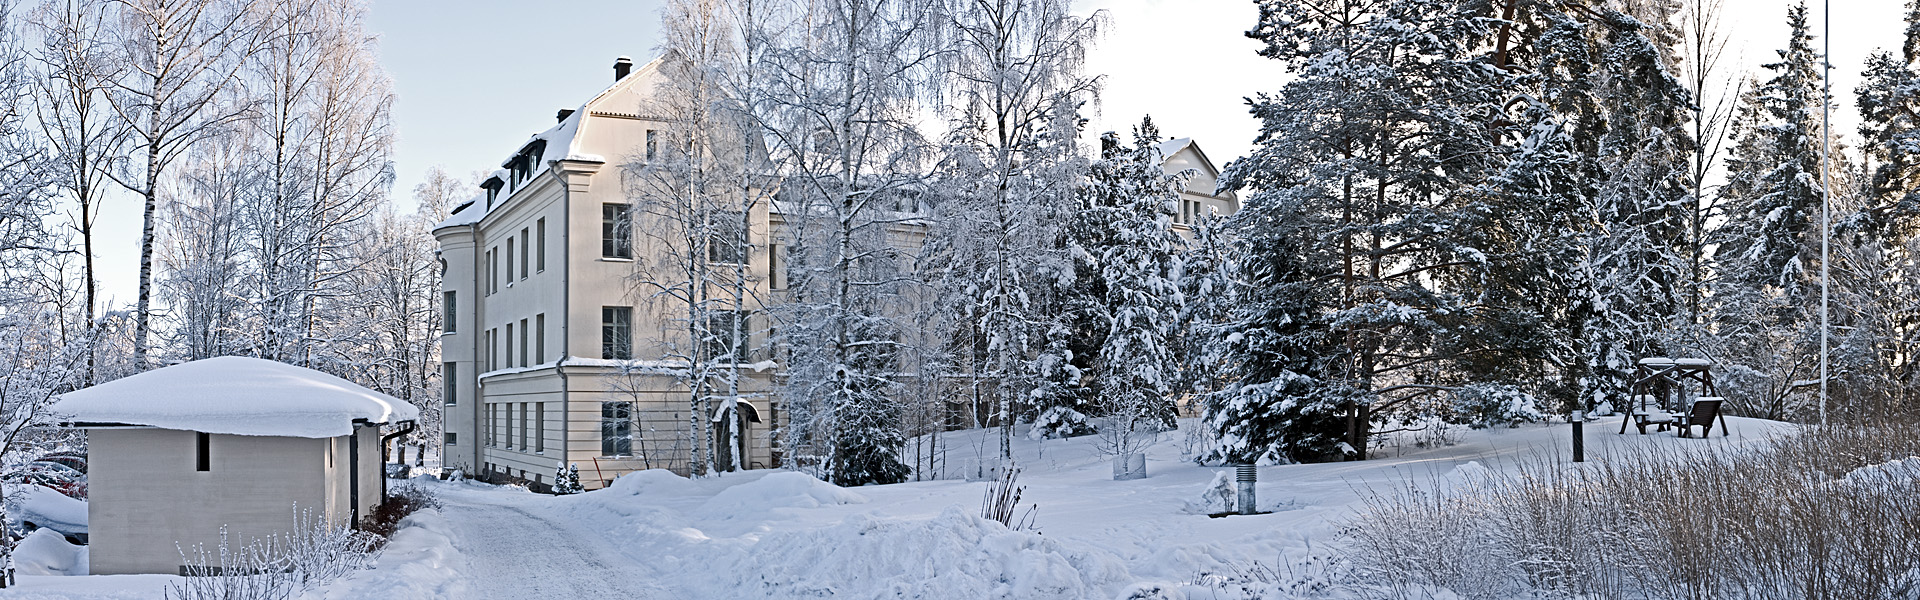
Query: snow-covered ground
(772, 534)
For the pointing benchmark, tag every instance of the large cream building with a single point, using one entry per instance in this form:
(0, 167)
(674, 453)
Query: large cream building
(545, 324)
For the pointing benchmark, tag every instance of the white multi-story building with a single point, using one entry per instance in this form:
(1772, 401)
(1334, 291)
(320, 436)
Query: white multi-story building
(542, 309)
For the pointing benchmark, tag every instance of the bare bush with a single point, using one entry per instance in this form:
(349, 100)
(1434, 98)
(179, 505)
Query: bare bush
(1808, 516)
(275, 567)
(1002, 502)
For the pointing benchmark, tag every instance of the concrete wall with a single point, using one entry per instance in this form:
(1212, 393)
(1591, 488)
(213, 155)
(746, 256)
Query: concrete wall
(147, 500)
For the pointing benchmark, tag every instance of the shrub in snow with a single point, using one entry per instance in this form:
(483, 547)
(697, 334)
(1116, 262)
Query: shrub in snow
(1060, 422)
(1827, 513)
(277, 566)
(404, 498)
(566, 480)
(1003, 500)
(1482, 405)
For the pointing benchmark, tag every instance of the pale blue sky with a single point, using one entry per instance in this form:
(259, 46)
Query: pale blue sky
(476, 77)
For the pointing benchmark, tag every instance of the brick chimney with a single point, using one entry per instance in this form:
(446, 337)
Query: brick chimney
(622, 67)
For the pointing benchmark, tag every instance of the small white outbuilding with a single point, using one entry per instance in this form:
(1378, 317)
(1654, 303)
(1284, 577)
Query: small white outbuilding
(178, 453)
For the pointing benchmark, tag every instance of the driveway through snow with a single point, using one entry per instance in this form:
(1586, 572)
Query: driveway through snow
(515, 551)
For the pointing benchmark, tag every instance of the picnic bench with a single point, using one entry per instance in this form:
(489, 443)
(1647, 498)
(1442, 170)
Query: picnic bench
(1663, 396)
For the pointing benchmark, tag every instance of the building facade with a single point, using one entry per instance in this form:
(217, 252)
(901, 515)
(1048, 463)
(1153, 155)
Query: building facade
(549, 322)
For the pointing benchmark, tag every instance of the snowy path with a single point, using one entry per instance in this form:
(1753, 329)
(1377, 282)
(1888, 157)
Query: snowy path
(514, 551)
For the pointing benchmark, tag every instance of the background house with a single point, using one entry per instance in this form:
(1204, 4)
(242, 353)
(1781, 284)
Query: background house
(178, 453)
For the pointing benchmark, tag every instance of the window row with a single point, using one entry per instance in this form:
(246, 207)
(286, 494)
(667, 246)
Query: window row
(532, 346)
(532, 259)
(727, 240)
(727, 331)
(527, 433)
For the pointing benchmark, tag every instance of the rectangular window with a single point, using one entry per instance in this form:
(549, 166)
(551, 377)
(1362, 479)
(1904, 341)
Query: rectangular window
(524, 334)
(540, 427)
(452, 439)
(540, 252)
(653, 144)
(616, 332)
(203, 452)
(506, 425)
(616, 429)
(509, 260)
(616, 232)
(729, 241)
(775, 279)
(509, 343)
(448, 312)
(540, 338)
(450, 383)
(524, 243)
(523, 426)
(491, 350)
(493, 270)
(720, 329)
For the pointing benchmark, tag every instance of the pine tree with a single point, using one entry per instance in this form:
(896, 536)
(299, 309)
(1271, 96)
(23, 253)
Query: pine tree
(1769, 244)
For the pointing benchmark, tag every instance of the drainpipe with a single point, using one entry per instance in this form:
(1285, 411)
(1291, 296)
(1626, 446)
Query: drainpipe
(406, 428)
(566, 312)
(353, 475)
(478, 352)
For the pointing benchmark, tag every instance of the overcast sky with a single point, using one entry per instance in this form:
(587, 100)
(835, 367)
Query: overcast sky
(476, 77)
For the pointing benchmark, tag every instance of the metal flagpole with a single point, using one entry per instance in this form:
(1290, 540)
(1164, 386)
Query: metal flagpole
(1826, 191)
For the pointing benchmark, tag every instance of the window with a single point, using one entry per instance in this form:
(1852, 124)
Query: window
(653, 144)
(729, 242)
(720, 326)
(616, 332)
(447, 313)
(616, 429)
(493, 270)
(523, 426)
(540, 337)
(452, 439)
(509, 261)
(493, 191)
(203, 452)
(775, 279)
(449, 381)
(524, 334)
(540, 427)
(540, 254)
(506, 430)
(509, 362)
(493, 349)
(524, 238)
(616, 233)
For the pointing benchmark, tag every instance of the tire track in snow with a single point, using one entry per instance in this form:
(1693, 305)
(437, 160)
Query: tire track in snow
(513, 553)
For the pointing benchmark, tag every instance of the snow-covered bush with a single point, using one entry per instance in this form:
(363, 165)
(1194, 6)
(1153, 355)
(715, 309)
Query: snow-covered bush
(1060, 422)
(1482, 405)
(566, 480)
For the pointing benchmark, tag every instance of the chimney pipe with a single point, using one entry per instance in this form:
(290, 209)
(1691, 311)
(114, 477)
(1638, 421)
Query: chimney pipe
(562, 115)
(622, 67)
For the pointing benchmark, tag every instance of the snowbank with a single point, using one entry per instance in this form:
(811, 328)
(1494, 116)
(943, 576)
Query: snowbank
(235, 395)
(45, 552)
(953, 555)
(419, 561)
(776, 491)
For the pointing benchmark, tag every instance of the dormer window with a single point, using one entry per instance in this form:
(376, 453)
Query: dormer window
(492, 186)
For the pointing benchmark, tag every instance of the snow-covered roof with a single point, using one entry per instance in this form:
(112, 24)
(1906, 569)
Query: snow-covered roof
(560, 145)
(234, 395)
(1173, 146)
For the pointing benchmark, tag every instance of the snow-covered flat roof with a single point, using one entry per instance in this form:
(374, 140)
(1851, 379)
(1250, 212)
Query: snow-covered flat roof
(235, 395)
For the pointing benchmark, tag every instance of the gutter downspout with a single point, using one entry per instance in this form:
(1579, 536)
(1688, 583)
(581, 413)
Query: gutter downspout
(406, 428)
(353, 476)
(480, 430)
(566, 312)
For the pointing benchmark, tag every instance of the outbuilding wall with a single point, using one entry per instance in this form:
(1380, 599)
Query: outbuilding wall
(147, 500)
